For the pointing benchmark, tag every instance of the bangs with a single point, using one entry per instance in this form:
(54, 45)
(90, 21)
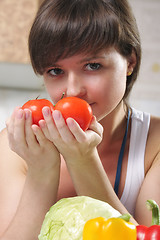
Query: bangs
(71, 27)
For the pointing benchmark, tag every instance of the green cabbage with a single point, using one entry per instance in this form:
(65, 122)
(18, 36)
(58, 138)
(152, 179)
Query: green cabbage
(65, 219)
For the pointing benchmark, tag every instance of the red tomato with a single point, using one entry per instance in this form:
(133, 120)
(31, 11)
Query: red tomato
(36, 106)
(77, 109)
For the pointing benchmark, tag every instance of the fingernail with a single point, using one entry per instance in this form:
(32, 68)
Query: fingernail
(46, 111)
(27, 114)
(42, 123)
(70, 122)
(56, 115)
(20, 114)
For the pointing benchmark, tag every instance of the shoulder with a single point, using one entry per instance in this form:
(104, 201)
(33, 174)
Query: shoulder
(155, 124)
(8, 158)
(153, 141)
(151, 126)
(154, 133)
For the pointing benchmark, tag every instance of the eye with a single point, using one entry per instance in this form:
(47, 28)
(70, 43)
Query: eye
(55, 71)
(93, 66)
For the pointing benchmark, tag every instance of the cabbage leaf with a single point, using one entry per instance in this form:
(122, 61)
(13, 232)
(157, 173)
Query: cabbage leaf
(65, 220)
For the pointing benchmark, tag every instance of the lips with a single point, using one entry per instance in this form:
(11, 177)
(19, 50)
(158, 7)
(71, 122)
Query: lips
(91, 104)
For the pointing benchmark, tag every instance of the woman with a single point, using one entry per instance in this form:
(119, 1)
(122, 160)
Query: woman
(91, 50)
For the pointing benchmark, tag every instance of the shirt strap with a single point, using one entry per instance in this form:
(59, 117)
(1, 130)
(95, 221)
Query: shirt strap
(119, 165)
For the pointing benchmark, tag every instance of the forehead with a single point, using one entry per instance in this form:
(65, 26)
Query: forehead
(85, 57)
(61, 34)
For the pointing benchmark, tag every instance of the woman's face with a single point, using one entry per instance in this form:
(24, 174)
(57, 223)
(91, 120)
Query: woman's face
(99, 79)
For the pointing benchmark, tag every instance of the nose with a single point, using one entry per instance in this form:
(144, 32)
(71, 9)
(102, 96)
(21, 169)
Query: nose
(75, 86)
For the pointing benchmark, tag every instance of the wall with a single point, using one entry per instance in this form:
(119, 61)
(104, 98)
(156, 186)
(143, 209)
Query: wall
(15, 21)
(19, 83)
(146, 92)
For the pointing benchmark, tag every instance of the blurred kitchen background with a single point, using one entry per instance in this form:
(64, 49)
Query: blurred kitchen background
(18, 83)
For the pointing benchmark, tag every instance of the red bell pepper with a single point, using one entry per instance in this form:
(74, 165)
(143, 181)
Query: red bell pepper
(152, 232)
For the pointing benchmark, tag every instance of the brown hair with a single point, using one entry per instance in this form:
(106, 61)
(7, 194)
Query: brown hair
(63, 28)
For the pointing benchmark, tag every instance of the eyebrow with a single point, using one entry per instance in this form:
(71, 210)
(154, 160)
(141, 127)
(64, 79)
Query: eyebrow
(87, 59)
(91, 58)
(55, 65)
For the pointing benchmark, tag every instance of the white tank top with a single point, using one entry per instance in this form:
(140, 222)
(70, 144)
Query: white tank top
(140, 122)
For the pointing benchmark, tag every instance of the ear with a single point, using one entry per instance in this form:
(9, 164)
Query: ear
(132, 60)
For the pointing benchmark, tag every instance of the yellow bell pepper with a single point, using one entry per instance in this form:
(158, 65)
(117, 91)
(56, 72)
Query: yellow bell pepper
(112, 229)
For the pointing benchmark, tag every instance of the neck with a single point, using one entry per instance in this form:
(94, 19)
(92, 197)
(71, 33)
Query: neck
(114, 126)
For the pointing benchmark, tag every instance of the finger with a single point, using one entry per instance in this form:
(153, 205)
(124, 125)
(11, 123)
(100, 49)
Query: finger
(17, 134)
(30, 137)
(62, 127)
(41, 139)
(44, 128)
(10, 128)
(76, 130)
(10, 120)
(50, 129)
(96, 127)
(19, 129)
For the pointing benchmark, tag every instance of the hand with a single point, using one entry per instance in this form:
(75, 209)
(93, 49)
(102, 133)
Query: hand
(29, 142)
(71, 141)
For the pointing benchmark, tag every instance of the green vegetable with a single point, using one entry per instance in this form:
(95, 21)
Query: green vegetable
(65, 220)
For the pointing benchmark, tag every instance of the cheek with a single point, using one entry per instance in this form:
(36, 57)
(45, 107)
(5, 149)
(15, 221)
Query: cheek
(112, 88)
(109, 94)
(53, 91)
(118, 87)
(55, 95)
(118, 83)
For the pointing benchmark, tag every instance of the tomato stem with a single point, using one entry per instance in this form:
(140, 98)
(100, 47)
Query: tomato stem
(37, 97)
(63, 95)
